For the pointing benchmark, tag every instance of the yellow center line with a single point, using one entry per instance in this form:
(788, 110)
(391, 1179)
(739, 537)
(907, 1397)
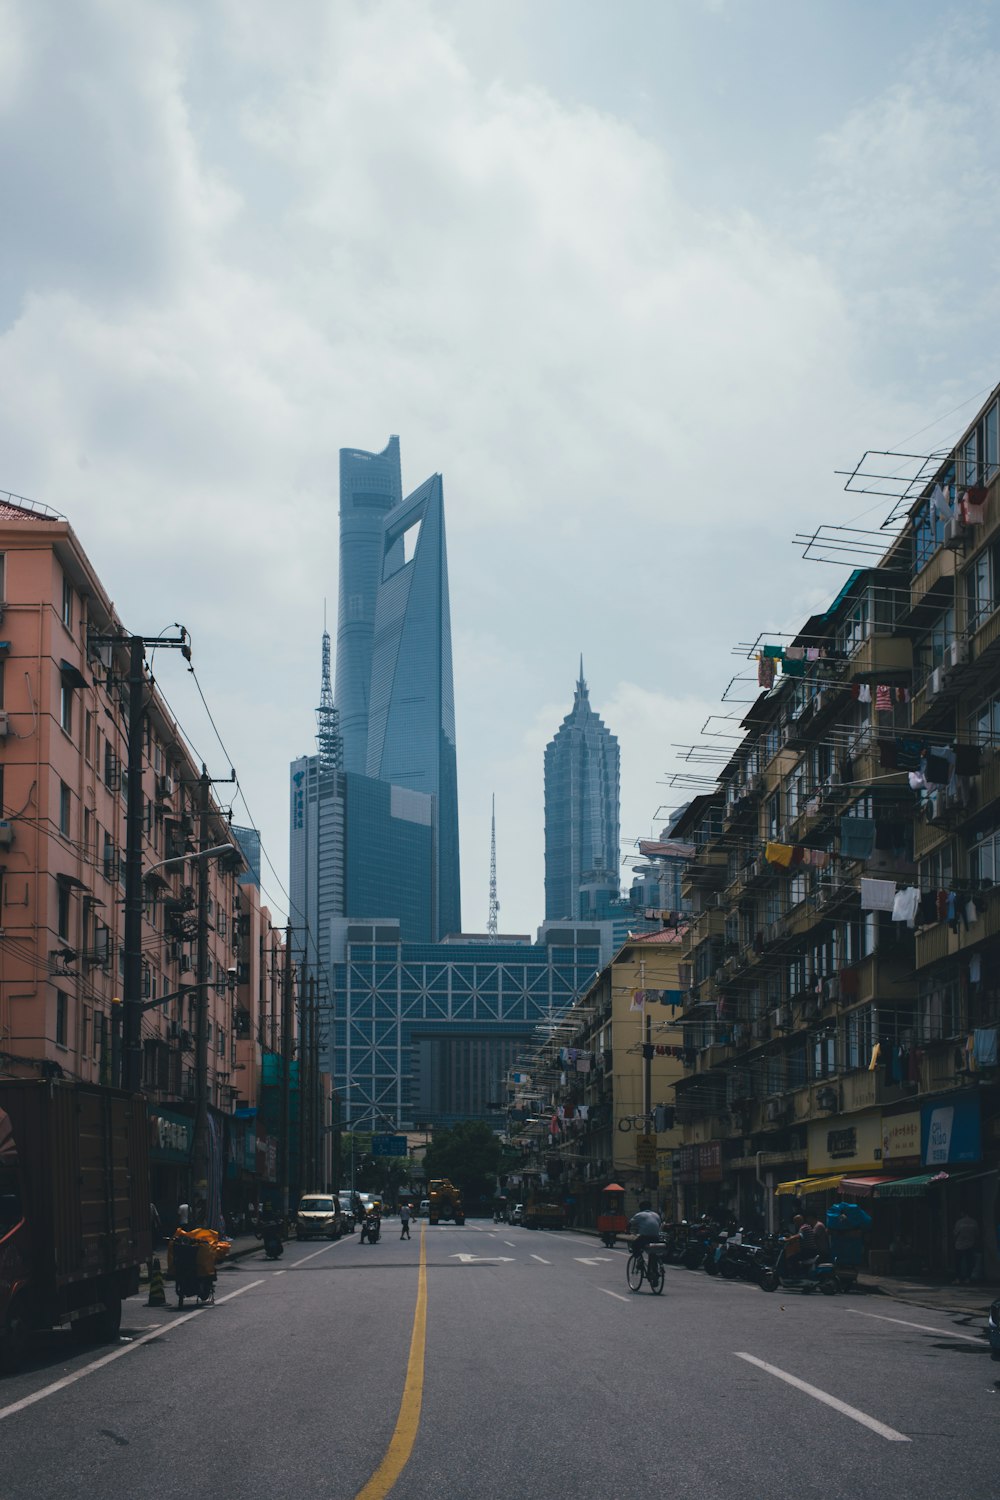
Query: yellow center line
(402, 1440)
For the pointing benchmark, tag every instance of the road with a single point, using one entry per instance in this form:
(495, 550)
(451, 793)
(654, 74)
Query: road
(540, 1376)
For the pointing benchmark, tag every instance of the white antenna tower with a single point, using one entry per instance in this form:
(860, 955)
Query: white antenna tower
(491, 926)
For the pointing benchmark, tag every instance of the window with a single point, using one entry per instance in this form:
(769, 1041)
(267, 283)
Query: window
(61, 1019)
(937, 870)
(66, 707)
(979, 588)
(67, 603)
(65, 808)
(3, 577)
(984, 723)
(930, 650)
(940, 1014)
(860, 1036)
(62, 909)
(222, 1042)
(856, 626)
(984, 857)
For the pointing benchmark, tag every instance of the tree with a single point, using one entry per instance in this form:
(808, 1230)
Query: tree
(469, 1154)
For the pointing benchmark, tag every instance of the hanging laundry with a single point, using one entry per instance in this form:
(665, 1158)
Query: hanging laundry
(857, 838)
(647, 1051)
(793, 668)
(937, 771)
(916, 780)
(876, 1055)
(583, 1065)
(673, 998)
(818, 858)
(971, 913)
(864, 692)
(778, 854)
(906, 904)
(975, 968)
(941, 905)
(583, 1112)
(638, 999)
(973, 505)
(798, 854)
(939, 503)
(776, 652)
(883, 699)
(927, 910)
(795, 653)
(812, 653)
(877, 895)
(902, 695)
(968, 759)
(984, 1041)
(765, 671)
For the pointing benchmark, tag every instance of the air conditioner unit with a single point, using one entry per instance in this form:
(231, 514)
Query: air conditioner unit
(810, 1009)
(774, 1110)
(934, 685)
(957, 654)
(6, 833)
(827, 1099)
(781, 1018)
(166, 786)
(4, 724)
(954, 534)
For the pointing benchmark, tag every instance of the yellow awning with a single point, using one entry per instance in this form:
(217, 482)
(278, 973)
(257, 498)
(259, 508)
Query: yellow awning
(803, 1185)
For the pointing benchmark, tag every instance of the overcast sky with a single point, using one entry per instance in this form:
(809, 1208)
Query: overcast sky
(636, 278)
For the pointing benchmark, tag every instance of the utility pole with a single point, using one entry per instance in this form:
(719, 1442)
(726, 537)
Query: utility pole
(286, 1072)
(126, 1018)
(201, 1000)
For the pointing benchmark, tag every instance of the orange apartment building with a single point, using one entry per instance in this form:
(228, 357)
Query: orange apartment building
(63, 783)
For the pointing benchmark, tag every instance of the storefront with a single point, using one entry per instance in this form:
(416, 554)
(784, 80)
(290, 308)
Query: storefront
(171, 1138)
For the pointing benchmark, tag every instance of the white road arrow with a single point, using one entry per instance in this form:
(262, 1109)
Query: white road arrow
(592, 1260)
(485, 1260)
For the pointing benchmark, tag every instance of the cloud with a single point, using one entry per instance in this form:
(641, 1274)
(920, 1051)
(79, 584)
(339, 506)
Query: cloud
(248, 235)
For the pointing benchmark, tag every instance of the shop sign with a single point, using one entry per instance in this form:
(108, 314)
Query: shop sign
(645, 1150)
(901, 1139)
(950, 1132)
(854, 1145)
(702, 1163)
(170, 1137)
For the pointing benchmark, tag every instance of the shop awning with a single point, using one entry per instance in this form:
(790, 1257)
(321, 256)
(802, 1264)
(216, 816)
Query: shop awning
(800, 1186)
(910, 1187)
(864, 1187)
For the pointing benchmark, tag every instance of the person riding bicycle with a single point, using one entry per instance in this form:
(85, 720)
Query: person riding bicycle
(646, 1225)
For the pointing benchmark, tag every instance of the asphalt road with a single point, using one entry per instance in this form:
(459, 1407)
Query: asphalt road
(543, 1376)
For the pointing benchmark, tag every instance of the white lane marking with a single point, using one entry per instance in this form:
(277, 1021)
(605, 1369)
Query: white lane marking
(97, 1364)
(483, 1260)
(313, 1254)
(511, 1244)
(618, 1295)
(542, 1259)
(889, 1433)
(282, 1273)
(592, 1260)
(944, 1333)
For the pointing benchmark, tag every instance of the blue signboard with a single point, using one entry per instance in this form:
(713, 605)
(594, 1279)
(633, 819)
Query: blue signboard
(950, 1132)
(389, 1145)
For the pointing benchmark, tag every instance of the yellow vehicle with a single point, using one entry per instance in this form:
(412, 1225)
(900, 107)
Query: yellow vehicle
(445, 1201)
(541, 1215)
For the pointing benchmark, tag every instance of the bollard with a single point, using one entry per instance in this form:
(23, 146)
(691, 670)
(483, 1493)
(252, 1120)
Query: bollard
(157, 1296)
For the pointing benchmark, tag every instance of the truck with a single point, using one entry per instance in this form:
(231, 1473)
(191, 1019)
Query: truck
(543, 1214)
(445, 1201)
(74, 1209)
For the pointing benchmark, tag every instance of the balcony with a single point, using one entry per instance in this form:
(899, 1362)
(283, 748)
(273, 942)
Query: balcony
(706, 872)
(884, 977)
(927, 836)
(707, 924)
(939, 942)
(986, 640)
(864, 1090)
(881, 656)
(934, 583)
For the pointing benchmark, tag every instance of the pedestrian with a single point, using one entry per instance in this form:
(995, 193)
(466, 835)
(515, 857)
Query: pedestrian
(821, 1237)
(183, 1215)
(404, 1219)
(966, 1236)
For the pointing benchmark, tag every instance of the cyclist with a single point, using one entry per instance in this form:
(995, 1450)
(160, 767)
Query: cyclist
(646, 1225)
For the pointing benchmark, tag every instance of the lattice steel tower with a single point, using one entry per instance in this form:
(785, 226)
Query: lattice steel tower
(491, 926)
(329, 741)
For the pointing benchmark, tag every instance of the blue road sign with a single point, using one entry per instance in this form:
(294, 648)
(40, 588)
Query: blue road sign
(389, 1145)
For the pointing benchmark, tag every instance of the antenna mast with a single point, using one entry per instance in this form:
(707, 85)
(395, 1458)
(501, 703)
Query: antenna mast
(494, 903)
(328, 739)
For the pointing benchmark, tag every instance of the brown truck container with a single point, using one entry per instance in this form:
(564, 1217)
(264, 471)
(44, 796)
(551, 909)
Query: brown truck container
(74, 1190)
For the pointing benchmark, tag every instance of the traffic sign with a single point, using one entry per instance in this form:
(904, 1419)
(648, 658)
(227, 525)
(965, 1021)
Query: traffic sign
(645, 1150)
(389, 1145)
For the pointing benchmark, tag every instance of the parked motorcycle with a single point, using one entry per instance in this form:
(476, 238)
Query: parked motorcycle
(794, 1271)
(270, 1233)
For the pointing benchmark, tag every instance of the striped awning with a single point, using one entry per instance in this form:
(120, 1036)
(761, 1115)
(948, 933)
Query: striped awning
(801, 1186)
(910, 1187)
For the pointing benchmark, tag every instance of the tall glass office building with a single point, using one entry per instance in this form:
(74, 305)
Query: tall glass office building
(411, 722)
(370, 487)
(581, 813)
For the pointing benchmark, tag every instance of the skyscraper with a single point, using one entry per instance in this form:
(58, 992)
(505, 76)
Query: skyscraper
(411, 722)
(370, 487)
(581, 812)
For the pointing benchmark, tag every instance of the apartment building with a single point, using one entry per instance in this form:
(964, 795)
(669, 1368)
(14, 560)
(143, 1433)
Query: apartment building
(598, 1103)
(63, 785)
(844, 982)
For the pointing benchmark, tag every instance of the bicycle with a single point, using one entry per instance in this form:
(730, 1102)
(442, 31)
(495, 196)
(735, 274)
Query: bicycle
(645, 1265)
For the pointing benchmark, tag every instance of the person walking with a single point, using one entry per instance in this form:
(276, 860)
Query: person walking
(404, 1219)
(966, 1236)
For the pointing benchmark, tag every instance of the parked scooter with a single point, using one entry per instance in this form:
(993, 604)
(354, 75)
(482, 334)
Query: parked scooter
(795, 1271)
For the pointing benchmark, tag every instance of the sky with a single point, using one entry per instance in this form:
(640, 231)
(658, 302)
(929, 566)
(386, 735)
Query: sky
(637, 279)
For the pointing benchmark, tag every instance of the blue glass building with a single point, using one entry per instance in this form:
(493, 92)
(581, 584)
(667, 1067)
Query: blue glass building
(581, 813)
(426, 1033)
(411, 721)
(370, 487)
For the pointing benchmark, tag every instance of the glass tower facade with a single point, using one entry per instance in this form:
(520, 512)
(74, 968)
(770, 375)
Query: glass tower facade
(426, 1033)
(370, 487)
(582, 787)
(411, 722)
